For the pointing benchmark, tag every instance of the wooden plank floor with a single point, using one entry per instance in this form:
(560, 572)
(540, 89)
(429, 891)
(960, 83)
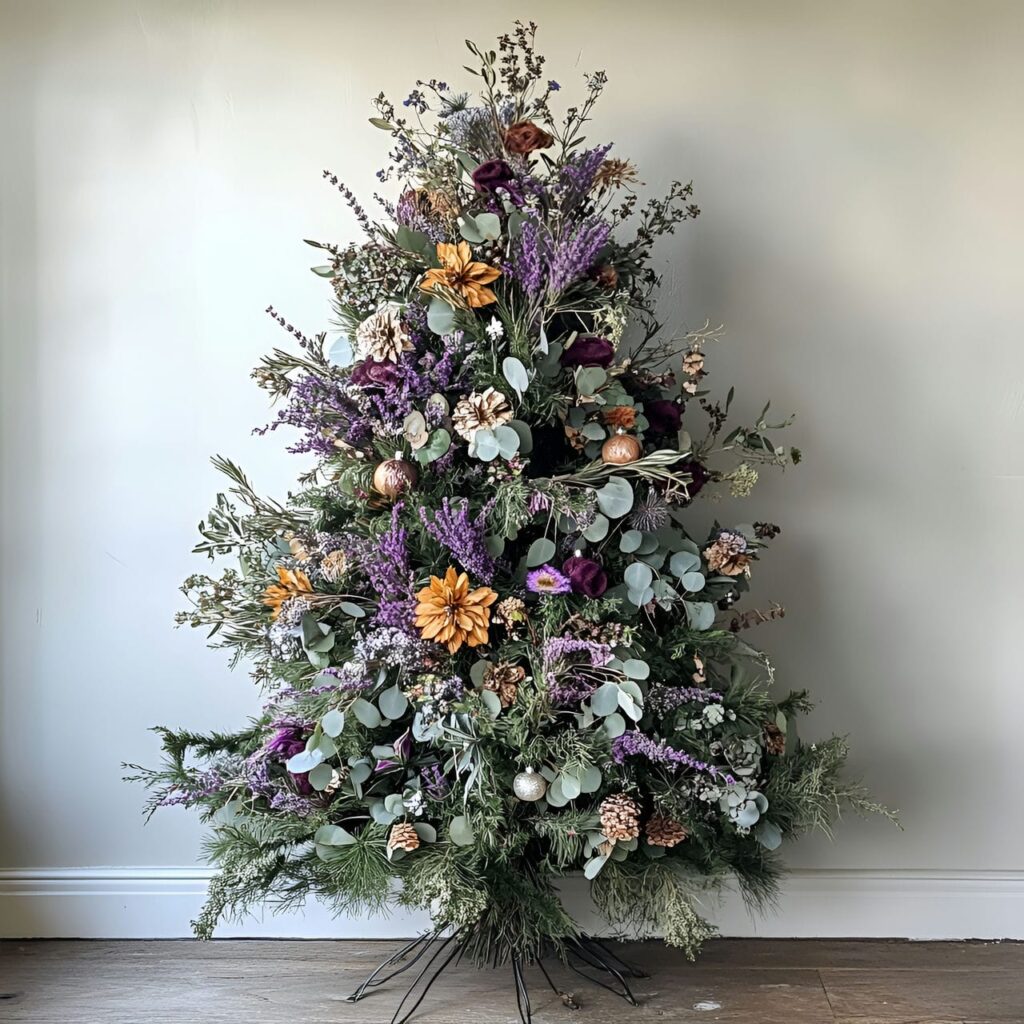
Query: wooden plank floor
(739, 981)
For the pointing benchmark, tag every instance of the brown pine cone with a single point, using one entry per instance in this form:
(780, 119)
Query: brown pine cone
(620, 817)
(504, 680)
(664, 831)
(403, 837)
(774, 739)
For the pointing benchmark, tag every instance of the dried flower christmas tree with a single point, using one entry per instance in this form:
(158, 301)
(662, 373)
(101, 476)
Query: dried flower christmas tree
(491, 649)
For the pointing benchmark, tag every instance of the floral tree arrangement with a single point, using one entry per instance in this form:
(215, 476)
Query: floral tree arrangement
(493, 650)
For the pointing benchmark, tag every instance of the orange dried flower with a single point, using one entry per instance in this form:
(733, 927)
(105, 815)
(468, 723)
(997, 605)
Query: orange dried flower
(623, 416)
(525, 137)
(462, 275)
(292, 583)
(452, 614)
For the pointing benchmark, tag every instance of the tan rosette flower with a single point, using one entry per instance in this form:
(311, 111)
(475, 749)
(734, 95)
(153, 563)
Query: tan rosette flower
(480, 410)
(382, 337)
(504, 679)
(620, 817)
(693, 362)
(664, 831)
(461, 275)
(614, 173)
(774, 739)
(524, 137)
(293, 582)
(620, 417)
(403, 837)
(333, 566)
(510, 613)
(452, 614)
(728, 554)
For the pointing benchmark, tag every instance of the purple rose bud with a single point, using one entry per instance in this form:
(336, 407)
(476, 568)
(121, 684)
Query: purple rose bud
(285, 743)
(663, 416)
(492, 175)
(586, 576)
(372, 373)
(589, 351)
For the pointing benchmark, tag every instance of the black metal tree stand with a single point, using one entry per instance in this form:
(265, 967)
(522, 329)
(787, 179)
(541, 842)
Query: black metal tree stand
(433, 952)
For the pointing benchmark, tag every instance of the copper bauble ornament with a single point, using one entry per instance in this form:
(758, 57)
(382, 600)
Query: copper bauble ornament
(529, 786)
(621, 448)
(394, 477)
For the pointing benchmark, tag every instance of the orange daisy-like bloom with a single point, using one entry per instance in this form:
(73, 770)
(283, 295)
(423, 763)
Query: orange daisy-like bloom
(463, 276)
(293, 582)
(620, 416)
(452, 614)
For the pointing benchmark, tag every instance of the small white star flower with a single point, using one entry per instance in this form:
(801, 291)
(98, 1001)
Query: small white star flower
(495, 330)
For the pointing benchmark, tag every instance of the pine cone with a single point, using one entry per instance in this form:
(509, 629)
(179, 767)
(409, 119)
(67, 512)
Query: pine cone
(774, 739)
(480, 410)
(504, 680)
(403, 837)
(664, 831)
(620, 817)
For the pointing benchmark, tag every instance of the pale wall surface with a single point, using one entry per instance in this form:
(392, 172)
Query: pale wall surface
(859, 168)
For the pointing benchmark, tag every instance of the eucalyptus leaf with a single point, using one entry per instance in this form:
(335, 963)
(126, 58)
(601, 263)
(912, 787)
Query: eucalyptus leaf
(320, 777)
(700, 614)
(489, 226)
(367, 714)
(692, 581)
(615, 725)
(438, 445)
(515, 373)
(605, 699)
(570, 786)
(683, 562)
(541, 550)
(630, 541)
(508, 440)
(634, 668)
(333, 835)
(393, 702)
(426, 832)
(440, 316)
(460, 831)
(484, 445)
(593, 867)
(333, 723)
(304, 761)
(525, 436)
(597, 530)
(615, 499)
(590, 780)
(638, 576)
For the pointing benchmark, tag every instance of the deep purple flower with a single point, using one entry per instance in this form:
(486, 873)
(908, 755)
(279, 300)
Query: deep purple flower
(586, 576)
(288, 741)
(589, 351)
(492, 175)
(663, 416)
(547, 580)
(373, 373)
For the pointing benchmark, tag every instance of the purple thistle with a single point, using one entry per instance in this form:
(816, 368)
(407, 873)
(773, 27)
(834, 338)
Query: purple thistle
(464, 538)
(636, 744)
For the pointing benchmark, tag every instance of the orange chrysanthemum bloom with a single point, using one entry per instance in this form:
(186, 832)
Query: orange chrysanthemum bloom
(464, 277)
(452, 614)
(293, 582)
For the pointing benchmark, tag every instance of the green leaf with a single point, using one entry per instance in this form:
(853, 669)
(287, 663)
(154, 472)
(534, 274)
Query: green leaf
(593, 431)
(525, 436)
(393, 702)
(440, 316)
(438, 445)
(593, 867)
(515, 373)
(615, 725)
(492, 702)
(333, 835)
(605, 699)
(352, 609)
(590, 380)
(630, 541)
(427, 833)
(768, 834)
(469, 230)
(333, 723)
(541, 550)
(379, 122)
(489, 225)
(508, 440)
(570, 786)
(615, 499)
(367, 714)
(634, 668)
(700, 614)
(413, 241)
(484, 445)
(304, 761)
(590, 780)
(692, 581)
(460, 831)
(320, 777)
(323, 271)
(597, 530)
(683, 562)
(638, 576)
(361, 771)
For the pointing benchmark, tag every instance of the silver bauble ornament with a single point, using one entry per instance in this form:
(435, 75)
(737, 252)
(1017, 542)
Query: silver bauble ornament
(621, 449)
(394, 477)
(529, 786)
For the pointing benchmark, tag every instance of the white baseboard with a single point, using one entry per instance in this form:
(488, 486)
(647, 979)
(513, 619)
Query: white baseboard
(159, 903)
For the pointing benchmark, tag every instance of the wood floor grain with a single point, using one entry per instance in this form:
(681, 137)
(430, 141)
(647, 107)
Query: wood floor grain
(737, 981)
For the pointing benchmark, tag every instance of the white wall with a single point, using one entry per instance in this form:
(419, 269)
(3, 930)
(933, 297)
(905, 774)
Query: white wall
(859, 166)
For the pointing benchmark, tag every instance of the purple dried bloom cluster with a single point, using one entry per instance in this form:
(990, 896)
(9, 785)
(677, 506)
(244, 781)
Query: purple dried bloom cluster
(322, 410)
(435, 785)
(390, 577)
(577, 177)
(637, 744)
(202, 785)
(567, 688)
(662, 699)
(464, 537)
(528, 258)
(541, 262)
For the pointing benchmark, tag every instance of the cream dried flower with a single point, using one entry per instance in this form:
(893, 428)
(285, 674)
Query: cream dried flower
(333, 565)
(693, 362)
(482, 410)
(728, 554)
(382, 336)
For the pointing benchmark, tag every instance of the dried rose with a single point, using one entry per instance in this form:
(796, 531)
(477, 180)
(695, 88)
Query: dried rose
(589, 351)
(663, 416)
(525, 137)
(586, 576)
(492, 175)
